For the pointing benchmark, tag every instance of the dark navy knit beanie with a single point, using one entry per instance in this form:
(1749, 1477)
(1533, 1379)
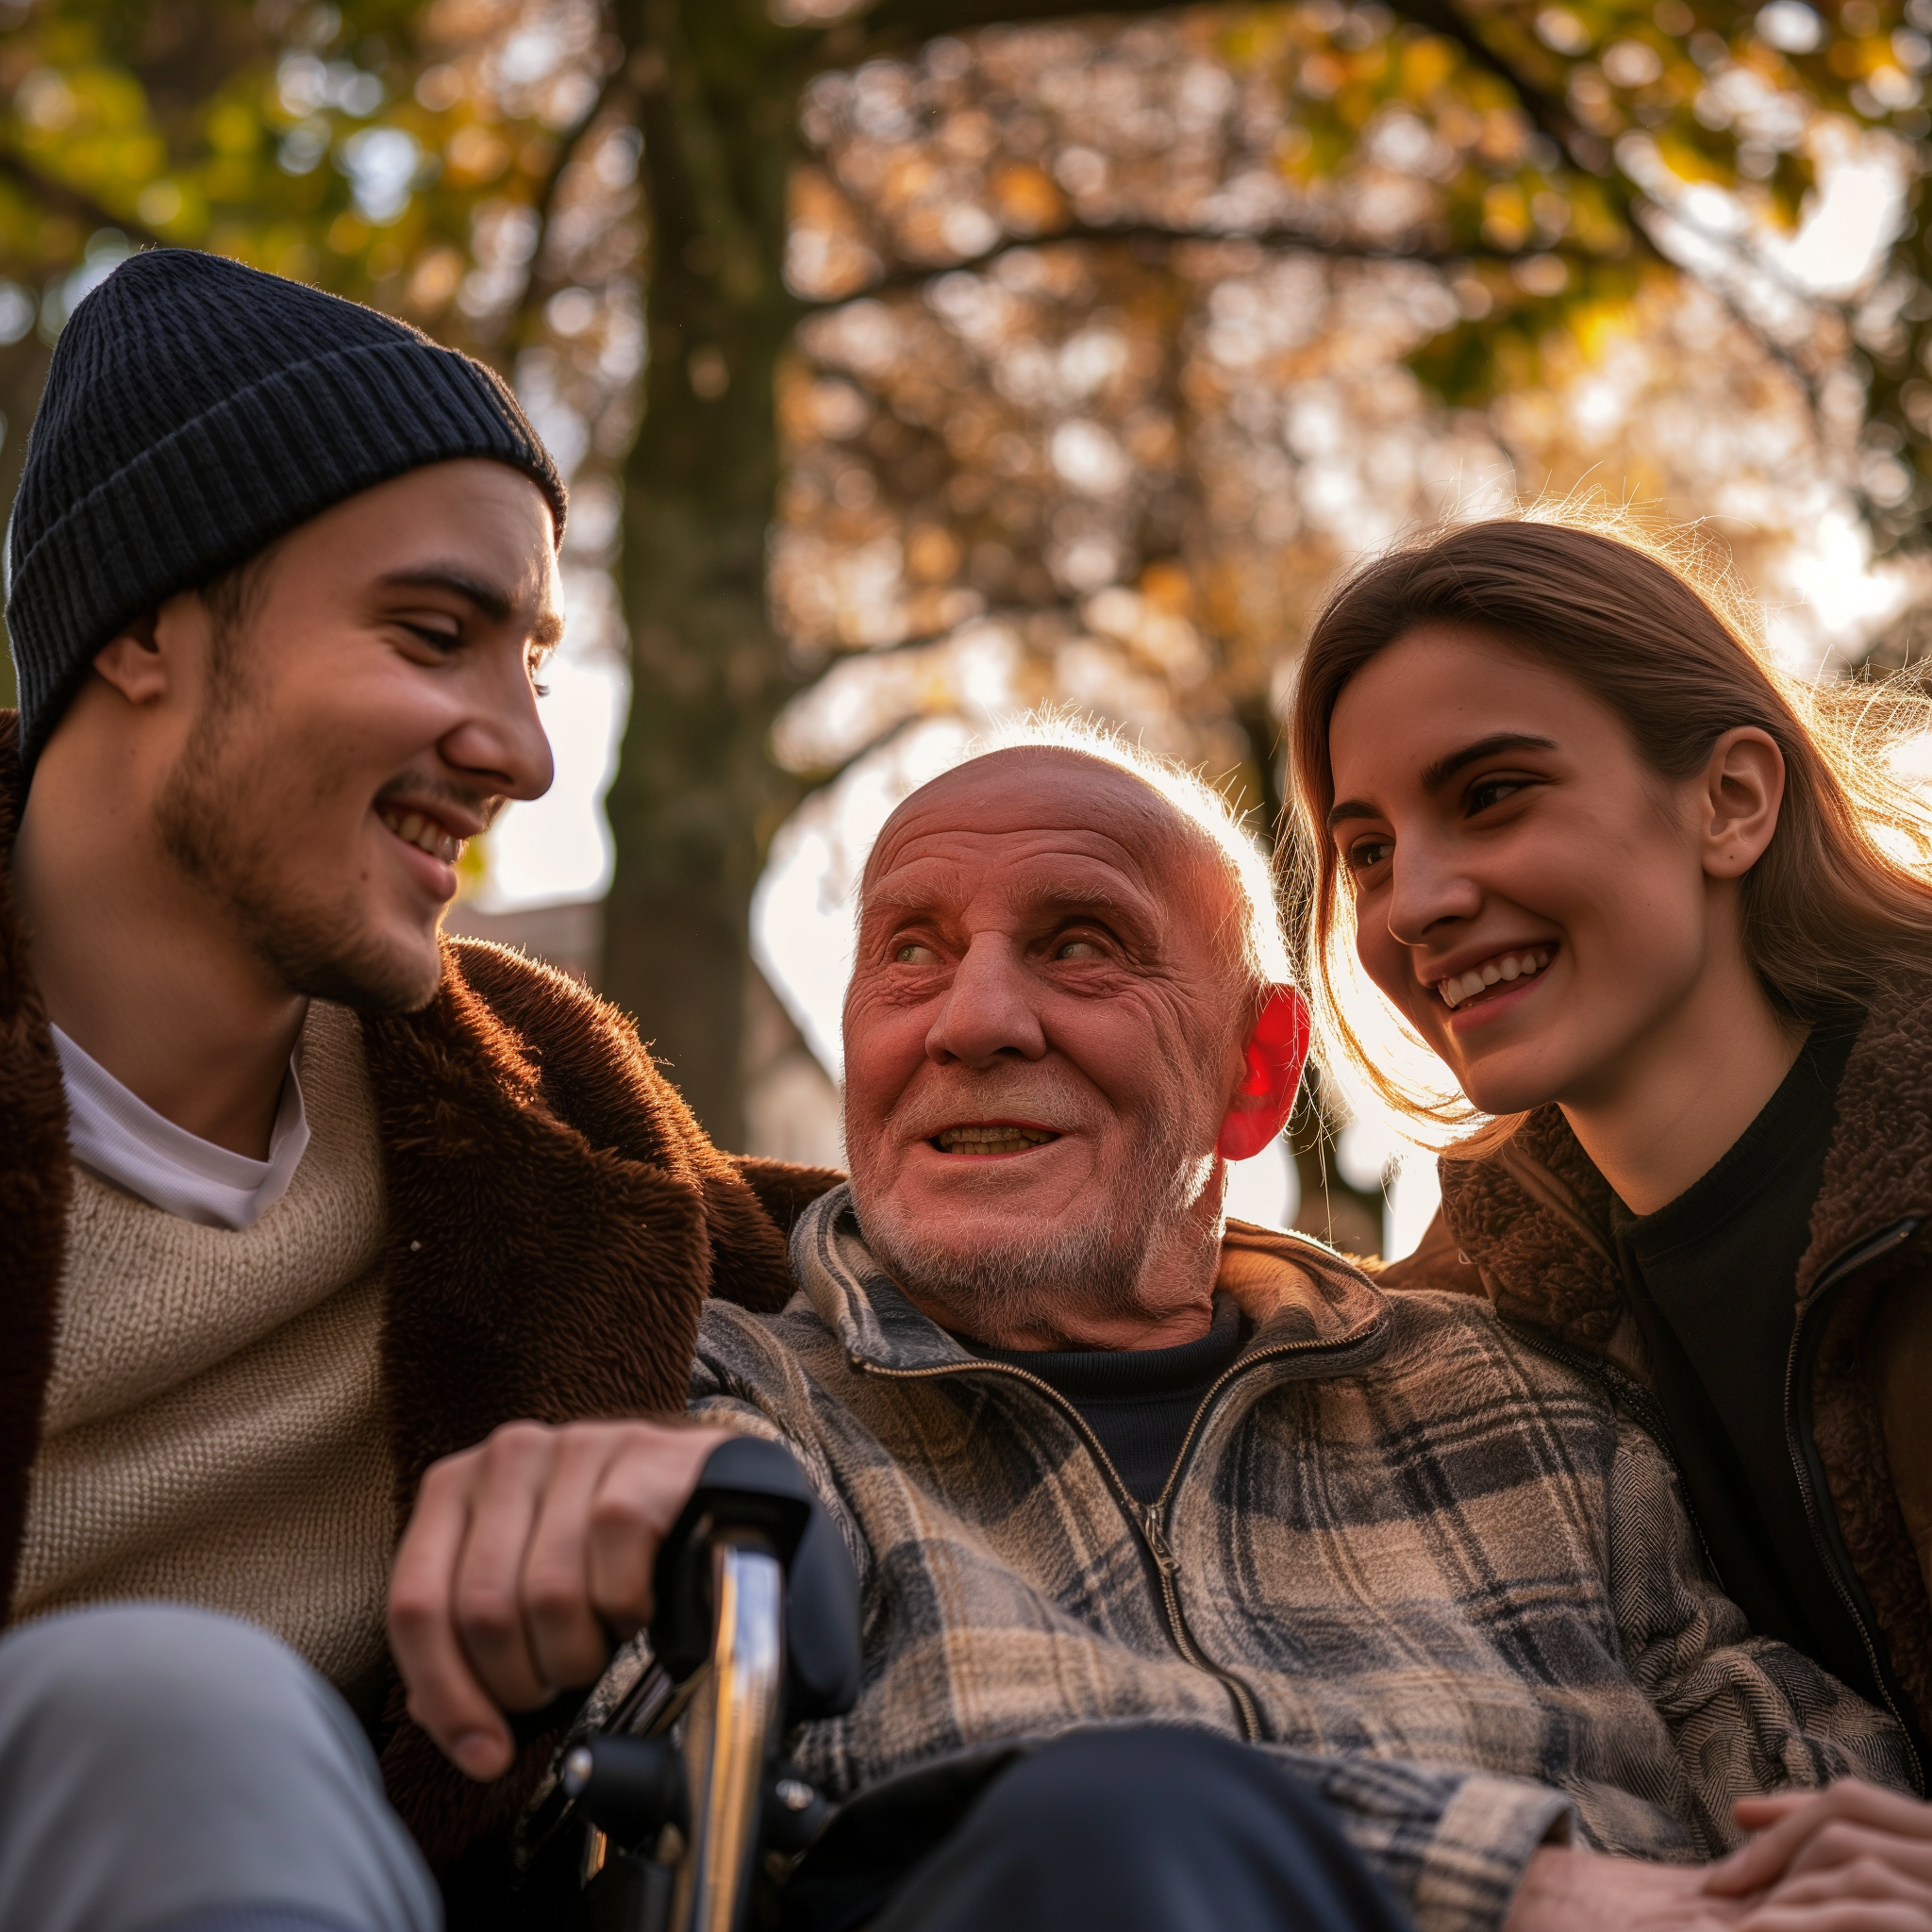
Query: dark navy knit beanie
(196, 409)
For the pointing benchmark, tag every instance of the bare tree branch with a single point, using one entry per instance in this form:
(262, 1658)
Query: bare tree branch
(47, 189)
(1551, 116)
(893, 24)
(904, 274)
(539, 286)
(902, 22)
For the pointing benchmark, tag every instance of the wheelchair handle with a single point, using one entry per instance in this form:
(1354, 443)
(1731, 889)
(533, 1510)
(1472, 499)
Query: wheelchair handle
(676, 1785)
(730, 1732)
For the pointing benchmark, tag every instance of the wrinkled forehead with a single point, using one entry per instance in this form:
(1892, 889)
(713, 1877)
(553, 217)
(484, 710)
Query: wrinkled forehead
(1039, 821)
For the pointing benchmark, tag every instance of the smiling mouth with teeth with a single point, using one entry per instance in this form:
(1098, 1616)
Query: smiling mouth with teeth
(412, 828)
(1460, 989)
(990, 1139)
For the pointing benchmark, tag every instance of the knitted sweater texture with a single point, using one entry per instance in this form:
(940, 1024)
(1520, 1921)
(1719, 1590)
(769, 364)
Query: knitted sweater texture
(214, 1429)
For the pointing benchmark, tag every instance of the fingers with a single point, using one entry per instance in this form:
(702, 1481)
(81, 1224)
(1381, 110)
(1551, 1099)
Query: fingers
(1868, 1804)
(643, 1489)
(567, 1643)
(445, 1695)
(1757, 1814)
(520, 1555)
(1845, 1841)
(1868, 1895)
(1790, 1822)
(508, 1483)
(1859, 1915)
(610, 1497)
(1866, 1879)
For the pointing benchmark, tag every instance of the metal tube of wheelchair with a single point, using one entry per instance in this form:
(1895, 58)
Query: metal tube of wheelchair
(729, 1733)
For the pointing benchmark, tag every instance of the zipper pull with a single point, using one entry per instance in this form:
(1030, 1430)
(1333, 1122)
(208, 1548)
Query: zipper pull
(1164, 1558)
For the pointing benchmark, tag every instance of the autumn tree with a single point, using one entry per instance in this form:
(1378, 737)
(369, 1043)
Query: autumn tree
(823, 231)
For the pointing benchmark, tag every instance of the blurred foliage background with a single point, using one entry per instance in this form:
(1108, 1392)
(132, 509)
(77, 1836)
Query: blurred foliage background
(920, 359)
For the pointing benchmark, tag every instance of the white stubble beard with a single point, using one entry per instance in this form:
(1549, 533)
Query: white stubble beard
(1022, 1281)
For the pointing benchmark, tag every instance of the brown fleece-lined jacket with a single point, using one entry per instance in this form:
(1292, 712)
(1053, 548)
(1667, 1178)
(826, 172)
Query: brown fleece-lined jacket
(1528, 1226)
(555, 1218)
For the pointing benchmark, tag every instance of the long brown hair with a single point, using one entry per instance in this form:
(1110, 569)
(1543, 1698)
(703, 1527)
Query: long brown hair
(1840, 903)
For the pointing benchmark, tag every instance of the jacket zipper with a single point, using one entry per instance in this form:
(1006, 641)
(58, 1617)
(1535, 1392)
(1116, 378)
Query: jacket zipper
(1804, 1451)
(1147, 1519)
(1650, 1413)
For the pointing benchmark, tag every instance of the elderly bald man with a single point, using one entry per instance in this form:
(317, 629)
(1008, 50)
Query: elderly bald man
(1204, 1584)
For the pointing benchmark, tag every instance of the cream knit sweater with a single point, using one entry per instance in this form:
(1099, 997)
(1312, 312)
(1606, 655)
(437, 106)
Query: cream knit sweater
(214, 1429)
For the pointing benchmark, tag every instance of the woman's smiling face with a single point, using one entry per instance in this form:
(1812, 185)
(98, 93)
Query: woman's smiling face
(1529, 894)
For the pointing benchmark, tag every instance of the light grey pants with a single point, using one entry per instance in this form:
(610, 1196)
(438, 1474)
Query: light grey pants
(163, 1767)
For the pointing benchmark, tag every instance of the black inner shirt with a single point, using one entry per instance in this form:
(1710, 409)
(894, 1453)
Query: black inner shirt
(1138, 1401)
(1712, 1282)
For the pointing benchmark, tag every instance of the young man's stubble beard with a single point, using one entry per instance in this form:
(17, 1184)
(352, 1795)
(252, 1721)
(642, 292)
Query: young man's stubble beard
(219, 820)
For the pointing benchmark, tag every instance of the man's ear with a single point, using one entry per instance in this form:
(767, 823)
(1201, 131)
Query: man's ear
(1275, 1052)
(1739, 798)
(134, 663)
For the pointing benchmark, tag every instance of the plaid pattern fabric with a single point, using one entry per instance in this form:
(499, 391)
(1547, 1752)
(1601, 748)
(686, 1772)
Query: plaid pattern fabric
(1443, 1574)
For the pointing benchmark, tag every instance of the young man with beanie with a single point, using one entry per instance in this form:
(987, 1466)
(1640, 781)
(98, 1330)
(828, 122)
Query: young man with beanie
(296, 1197)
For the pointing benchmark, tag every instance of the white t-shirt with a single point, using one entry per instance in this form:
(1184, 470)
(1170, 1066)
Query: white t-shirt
(125, 1140)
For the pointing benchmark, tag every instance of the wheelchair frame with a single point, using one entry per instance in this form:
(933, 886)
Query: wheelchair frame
(678, 1791)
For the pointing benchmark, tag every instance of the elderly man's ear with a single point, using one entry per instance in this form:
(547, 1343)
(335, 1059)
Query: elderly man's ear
(1274, 1055)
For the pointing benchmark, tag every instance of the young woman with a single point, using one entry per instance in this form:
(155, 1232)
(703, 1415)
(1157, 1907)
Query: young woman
(1643, 898)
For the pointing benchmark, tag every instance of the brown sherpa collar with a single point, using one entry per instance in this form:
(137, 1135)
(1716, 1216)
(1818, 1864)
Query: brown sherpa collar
(1879, 1168)
(1534, 1216)
(34, 1181)
(532, 1271)
(1534, 1220)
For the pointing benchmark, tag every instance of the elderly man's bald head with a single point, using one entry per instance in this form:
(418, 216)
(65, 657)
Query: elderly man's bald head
(1058, 1022)
(1179, 823)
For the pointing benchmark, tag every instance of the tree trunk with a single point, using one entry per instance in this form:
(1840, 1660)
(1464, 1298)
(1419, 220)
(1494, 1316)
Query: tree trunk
(696, 798)
(23, 375)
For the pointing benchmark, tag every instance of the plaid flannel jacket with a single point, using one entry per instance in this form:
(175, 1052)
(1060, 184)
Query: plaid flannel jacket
(1446, 1576)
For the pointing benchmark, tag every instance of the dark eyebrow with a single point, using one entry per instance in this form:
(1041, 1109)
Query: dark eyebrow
(1437, 775)
(488, 598)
